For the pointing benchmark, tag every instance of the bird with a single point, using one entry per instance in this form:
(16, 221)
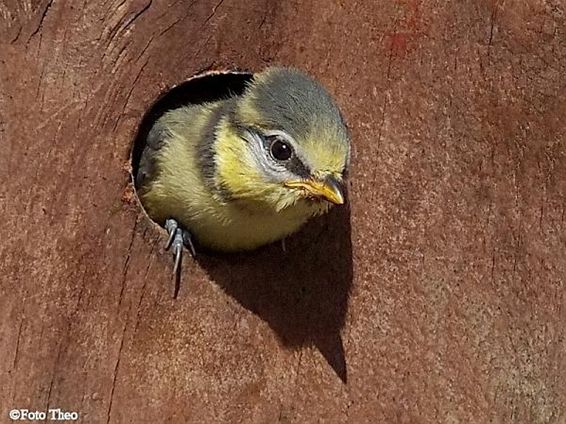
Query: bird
(248, 169)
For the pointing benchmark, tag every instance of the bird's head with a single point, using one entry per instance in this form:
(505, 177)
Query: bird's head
(284, 143)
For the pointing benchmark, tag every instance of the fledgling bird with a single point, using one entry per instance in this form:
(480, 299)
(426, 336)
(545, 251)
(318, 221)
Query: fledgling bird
(247, 170)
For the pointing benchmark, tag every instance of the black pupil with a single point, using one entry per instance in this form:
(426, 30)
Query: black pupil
(281, 150)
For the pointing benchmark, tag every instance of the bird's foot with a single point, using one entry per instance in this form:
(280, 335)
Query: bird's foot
(178, 237)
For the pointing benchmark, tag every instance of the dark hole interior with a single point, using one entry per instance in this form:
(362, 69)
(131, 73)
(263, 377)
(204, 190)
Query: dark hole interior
(200, 89)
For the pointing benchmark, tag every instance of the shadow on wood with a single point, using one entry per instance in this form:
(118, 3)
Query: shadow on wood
(302, 291)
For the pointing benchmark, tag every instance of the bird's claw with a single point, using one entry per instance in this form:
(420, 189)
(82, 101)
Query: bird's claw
(188, 242)
(171, 226)
(178, 237)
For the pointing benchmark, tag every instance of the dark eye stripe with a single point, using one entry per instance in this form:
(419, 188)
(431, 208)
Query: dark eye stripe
(297, 167)
(294, 164)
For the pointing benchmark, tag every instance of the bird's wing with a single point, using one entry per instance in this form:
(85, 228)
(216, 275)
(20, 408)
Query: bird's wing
(155, 140)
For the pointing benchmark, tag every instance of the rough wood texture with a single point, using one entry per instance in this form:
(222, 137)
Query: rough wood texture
(446, 306)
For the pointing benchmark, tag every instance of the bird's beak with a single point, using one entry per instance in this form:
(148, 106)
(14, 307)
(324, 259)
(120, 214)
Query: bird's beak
(329, 189)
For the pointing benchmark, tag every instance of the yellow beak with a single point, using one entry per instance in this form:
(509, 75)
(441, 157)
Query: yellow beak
(329, 189)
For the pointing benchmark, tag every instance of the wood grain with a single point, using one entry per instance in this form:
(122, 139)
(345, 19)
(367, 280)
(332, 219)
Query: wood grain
(438, 296)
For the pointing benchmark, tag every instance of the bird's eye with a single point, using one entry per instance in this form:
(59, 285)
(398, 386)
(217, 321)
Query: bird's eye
(280, 149)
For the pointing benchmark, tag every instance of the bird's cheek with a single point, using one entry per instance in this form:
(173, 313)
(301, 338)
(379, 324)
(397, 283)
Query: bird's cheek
(283, 198)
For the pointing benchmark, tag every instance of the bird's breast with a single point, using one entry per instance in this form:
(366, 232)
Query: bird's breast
(235, 228)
